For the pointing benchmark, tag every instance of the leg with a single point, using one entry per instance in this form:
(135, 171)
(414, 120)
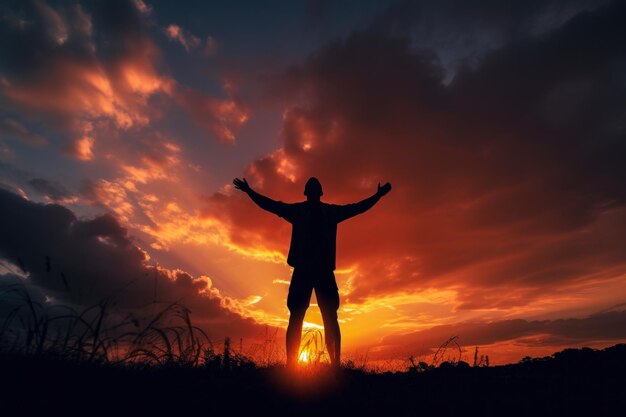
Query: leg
(298, 301)
(294, 336)
(328, 299)
(332, 335)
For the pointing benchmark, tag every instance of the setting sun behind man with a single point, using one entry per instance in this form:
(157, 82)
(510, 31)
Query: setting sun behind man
(312, 254)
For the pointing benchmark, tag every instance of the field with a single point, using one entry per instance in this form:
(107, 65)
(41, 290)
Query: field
(571, 382)
(59, 361)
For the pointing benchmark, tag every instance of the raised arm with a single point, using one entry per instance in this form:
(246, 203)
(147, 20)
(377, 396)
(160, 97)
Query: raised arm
(351, 210)
(277, 207)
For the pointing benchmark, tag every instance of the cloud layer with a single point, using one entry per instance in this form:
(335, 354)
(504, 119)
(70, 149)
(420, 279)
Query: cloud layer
(608, 326)
(508, 180)
(87, 67)
(82, 262)
(500, 126)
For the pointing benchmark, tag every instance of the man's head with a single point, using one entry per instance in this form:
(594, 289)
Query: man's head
(313, 189)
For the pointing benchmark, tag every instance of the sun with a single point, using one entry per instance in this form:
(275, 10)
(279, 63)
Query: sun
(304, 357)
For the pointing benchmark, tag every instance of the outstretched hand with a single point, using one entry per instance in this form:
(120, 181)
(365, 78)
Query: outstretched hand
(241, 185)
(384, 189)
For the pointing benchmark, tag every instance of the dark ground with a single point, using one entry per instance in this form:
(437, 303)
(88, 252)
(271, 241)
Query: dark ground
(571, 382)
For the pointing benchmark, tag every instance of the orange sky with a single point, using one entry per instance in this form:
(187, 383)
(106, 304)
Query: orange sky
(505, 226)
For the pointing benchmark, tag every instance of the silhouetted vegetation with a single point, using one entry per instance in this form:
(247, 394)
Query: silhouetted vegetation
(574, 381)
(159, 333)
(157, 361)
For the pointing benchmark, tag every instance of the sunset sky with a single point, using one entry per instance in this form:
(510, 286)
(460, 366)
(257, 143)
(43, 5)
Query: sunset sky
(501, 126)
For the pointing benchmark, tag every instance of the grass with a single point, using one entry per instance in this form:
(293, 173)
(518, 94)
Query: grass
(158, 333)
(573, 382)
(312, 349)
(155, 359)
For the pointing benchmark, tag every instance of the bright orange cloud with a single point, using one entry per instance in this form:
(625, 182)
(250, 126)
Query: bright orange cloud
(97, 260)
(70, 76)
(488, 209)
(222, 116)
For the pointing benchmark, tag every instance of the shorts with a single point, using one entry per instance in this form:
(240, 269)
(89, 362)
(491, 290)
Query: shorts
(303, 281)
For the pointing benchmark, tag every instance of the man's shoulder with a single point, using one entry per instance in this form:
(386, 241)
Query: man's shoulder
(307, 206)
(291, 205)
(323, 205)
(295, 207)
(331, 207)
(299, 204)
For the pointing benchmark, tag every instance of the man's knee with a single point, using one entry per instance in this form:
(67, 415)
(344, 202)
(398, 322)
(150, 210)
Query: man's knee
(299, 298)
(328, 303)
(329, 314)
(296, 315)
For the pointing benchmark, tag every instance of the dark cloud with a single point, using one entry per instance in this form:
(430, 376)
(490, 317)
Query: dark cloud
(463, 32)
(81, 262)
(55, 191)
(13, 175)
(609, 326)
(509, 178)
(12, 129)
(509, 17)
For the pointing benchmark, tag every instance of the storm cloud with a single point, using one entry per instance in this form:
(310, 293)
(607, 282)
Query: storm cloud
(508, 179)
(82, 262)
(607, 326)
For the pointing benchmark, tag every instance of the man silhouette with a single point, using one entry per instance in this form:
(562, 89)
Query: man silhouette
(312, 255)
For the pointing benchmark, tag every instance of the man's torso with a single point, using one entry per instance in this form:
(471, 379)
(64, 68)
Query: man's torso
(313, 236)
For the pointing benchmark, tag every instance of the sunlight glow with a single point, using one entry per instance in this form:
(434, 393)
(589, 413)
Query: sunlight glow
(308, 325)
(304, 356)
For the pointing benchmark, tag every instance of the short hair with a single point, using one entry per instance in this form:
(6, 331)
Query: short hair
(313, 188)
